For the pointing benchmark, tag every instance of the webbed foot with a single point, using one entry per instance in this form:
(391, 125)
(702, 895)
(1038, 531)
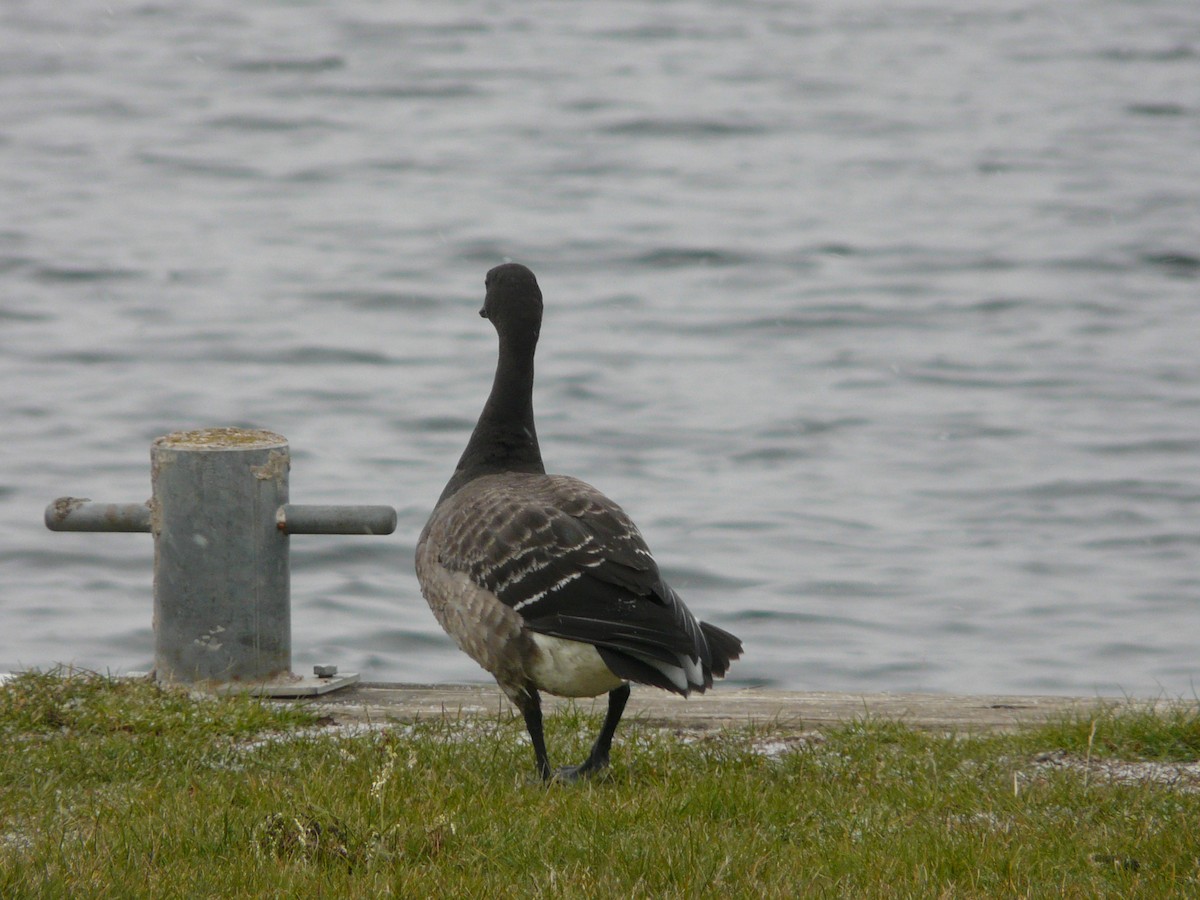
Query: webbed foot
(585, 770)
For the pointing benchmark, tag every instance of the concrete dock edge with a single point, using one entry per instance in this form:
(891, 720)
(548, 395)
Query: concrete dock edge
(786, 710)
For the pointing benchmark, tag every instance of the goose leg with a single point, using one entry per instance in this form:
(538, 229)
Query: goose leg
(598, 758)
(530, 704)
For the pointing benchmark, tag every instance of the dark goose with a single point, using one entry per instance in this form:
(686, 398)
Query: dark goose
(541, 579)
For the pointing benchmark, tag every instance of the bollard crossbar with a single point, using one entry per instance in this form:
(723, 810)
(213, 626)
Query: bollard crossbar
(84, 514)
(220, 518)
(303, 519)
(81, 514)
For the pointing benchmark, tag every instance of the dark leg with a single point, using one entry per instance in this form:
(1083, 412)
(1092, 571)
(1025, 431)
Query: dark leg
(530, 705)
(598, 758)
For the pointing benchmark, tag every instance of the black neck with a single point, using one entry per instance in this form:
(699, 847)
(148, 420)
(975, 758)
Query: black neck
(504, 439)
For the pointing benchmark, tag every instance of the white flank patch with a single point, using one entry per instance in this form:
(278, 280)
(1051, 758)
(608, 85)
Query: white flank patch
(571, 668)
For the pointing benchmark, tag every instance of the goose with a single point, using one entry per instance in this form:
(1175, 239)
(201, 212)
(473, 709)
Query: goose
(543, 580)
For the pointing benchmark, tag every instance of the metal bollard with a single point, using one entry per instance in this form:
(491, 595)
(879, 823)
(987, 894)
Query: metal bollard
(220, 518)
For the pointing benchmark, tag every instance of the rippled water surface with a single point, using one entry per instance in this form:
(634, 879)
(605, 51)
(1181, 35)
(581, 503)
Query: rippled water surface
(882, 323)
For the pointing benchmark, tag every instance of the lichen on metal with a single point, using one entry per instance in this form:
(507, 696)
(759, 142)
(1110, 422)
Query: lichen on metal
(60, 510)
(277, 465)
(222, 439)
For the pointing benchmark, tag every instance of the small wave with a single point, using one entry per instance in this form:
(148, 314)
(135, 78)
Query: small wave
(86, 357)
(403, 29)
(1165, 446)
(441, 424)
(742, 526)
(1156, 109)
(683, 128)
(1068, 503)
(191, 166)
(1178, 264)
(391, 641)
(489, 253)
(377, 299)
(680, 257)
(328, 356)
(996, 305)
(998, 166)
(406, 91)
(77, 560)
(288, 64)
(1085, 264)
(343, 552)
(791, 617)
(1128, 488)
(822, 318)
(802, 427)
(923, 669)
(647, 32)
(837, 249)
(1125, 650)
(692, 579)
(20, 315)
(845, 588)
(247, 122)
(779, 454)
(1146, 542)
(1157, 54)
(983, 382)
(62, 274)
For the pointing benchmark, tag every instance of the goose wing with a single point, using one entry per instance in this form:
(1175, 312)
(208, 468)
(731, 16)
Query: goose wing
(575, 566)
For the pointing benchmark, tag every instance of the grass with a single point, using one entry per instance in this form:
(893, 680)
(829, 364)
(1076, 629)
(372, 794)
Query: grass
(124, 789)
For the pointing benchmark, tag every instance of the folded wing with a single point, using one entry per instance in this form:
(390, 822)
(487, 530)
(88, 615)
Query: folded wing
(574, 565)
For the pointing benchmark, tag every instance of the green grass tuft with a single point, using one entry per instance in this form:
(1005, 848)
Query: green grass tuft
(1133, 730)
(78, 702)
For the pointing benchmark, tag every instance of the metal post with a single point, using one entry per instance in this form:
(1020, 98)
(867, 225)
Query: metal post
(220, 518)
(221, 590)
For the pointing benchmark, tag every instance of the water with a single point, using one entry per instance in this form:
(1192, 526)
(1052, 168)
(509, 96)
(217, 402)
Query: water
(882, 323)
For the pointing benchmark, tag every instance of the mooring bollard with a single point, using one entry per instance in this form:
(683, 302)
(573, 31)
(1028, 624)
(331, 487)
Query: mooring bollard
(220, 518)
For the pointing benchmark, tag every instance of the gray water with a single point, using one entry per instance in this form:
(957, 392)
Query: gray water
(882, 322)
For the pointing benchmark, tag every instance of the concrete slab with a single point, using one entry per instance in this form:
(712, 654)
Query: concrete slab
(789, 710)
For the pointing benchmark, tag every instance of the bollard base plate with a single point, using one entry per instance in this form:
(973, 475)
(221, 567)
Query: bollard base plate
(303, 686)
(295, 686)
